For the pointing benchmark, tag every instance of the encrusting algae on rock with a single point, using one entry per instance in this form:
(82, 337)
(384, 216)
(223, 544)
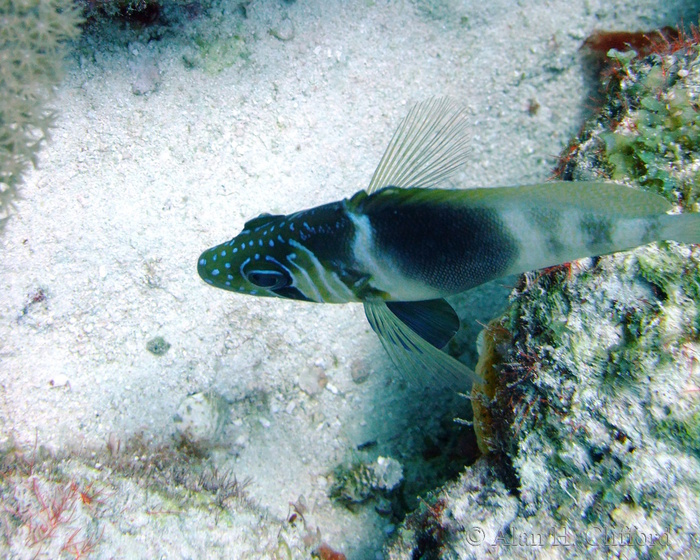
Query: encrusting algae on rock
(648, 131)
(588, 414)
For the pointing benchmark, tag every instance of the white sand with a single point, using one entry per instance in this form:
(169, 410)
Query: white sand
(132, 188)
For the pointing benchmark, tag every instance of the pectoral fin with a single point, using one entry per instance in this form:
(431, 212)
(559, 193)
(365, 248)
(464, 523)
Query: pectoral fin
(433, 320)
(414, 356)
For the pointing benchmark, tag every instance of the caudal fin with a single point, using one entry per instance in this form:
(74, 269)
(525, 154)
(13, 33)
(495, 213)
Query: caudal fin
(684, 228)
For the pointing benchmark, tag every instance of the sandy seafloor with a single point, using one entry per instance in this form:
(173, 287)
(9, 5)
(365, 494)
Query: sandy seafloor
(132, 188)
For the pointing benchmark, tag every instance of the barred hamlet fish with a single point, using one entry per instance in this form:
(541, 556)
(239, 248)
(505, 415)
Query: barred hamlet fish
(405, 243)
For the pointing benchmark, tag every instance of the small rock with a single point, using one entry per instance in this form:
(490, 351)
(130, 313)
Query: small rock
(284, 30)
(389, 473)
(332, 388)
(201, 417)
(146, 76)
(313, 380)
(359, 371)
(157, 346)
(59, 380)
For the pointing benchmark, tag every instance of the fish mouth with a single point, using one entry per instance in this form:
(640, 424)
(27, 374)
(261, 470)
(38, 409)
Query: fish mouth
(204, 268)
(201, 263)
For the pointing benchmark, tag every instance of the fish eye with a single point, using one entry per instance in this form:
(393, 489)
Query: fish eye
(268, 279)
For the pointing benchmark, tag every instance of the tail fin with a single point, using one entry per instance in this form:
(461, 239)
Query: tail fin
(684, 228)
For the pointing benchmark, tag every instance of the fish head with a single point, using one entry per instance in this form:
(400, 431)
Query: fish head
(296, 256)
(251, 262)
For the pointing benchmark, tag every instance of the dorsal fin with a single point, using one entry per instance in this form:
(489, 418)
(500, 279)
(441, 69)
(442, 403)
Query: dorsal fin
(429, 146)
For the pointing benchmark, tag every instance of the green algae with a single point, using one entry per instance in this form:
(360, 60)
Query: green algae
(358, 482)
(682, 427)
(158, 346)
(648, 130)
(219, 52)
(662, 135)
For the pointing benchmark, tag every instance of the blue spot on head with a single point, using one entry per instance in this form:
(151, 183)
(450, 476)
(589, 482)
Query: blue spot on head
(227, 265)
(235, 250)
(260, 242)
(202, 262)
(227, 283)
(257, 256)
(223, 253)
(209, 281)
(215, 272)
(229, 277)
(250, 243)
(271, 243)
(214, 257)
(291, 226)
(242, 246)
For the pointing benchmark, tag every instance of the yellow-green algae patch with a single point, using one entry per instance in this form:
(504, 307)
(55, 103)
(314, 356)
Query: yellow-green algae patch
(648, 130)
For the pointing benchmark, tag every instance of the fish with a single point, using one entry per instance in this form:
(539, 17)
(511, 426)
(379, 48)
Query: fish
(412, 238)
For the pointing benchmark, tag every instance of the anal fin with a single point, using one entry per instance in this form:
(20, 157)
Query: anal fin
(413, 355)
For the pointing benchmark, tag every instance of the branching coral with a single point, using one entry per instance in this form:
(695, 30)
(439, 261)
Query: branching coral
(32, 38)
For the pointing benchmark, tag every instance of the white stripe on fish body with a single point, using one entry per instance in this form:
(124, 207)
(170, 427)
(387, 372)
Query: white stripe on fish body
(548, 237)
(422, 244)
(385, 277)
(302, 281)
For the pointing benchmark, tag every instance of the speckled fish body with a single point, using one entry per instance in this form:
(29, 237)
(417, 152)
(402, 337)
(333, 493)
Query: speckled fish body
(407, 241)
(419, 244)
